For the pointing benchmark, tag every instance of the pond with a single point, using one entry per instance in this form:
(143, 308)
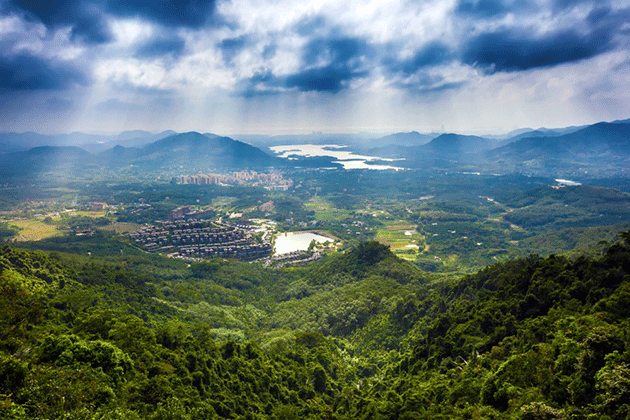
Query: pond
(297, 241)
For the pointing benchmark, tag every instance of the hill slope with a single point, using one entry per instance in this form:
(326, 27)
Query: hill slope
(531, 338)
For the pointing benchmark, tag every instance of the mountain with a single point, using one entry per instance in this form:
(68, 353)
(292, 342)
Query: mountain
(190, 150)
(136, 138)
(412, 138)
(612, 138)
(357, 336)
(45, 159)
(457, 144)
(19, 142)
(119, 155)
(599, 149)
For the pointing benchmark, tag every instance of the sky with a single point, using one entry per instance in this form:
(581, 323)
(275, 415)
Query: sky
(290, 67)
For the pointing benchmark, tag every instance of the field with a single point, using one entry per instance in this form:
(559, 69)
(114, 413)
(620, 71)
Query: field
(324, 210)
(402, 237)
(34, 230)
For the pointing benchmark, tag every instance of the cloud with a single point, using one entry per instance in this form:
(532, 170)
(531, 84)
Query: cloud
(329, 64)
(516, 50)
(88, 19)
(172, 13)
(559, 5)
(85, 18)
(230, 47)
(481, 8)
(336, 51)
(160, 47)
(432, 54)
(311, 24)
(323, 79)
(326, 65)
(25, 72)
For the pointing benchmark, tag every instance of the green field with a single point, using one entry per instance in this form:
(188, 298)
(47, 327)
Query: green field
(324, 210)
(402, 237)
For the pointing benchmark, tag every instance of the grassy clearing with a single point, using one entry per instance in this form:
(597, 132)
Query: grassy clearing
(34, 230)
(324, 210)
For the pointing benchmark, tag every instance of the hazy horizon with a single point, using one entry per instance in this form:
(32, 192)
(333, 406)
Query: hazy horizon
(305, 132)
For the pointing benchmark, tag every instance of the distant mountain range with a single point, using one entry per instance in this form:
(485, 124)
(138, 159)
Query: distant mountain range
(192, 151)
(93, 143)
(601, 149)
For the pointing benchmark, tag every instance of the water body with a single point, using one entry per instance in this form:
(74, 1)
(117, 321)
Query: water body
(568, 182)
(297, 241)
(347, 159)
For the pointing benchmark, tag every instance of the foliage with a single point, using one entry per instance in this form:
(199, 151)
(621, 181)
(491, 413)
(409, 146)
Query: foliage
(361, 334)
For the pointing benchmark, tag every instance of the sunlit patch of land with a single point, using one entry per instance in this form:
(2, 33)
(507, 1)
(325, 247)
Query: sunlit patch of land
(402, 238)
(34, 230)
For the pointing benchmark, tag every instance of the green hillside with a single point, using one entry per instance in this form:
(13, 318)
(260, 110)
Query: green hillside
(358, 335)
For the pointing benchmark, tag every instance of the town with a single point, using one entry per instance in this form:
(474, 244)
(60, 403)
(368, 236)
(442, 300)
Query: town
(272, 181)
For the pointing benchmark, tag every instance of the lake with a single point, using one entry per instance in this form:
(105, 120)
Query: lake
(297, 241)
(349, 160)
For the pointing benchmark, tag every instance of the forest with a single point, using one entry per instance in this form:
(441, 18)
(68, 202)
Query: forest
(361, 334)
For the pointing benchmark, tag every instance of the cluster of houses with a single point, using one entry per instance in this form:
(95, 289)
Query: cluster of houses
(196, 239)
(295, 257)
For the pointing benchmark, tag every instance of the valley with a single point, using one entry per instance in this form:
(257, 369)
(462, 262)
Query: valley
(295, 287)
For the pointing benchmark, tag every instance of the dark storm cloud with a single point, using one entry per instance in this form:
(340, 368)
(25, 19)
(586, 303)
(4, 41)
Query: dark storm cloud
(31, 73)
(160, 47)
(330, 79)
(174, 13)
(320, 79)
(328, 65)
(84, 17)
(603, 18)
(516, 50)
(424, 82)
(432, 54)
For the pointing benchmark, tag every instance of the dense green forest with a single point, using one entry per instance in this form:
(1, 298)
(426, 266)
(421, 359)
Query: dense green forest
(361, 334)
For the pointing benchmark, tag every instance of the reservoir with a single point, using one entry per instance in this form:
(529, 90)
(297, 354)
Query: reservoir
(297, 241)
(347, 159)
